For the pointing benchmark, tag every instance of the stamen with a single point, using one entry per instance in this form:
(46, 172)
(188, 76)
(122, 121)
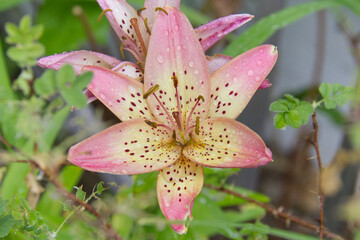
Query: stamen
(122, 50)
(151, 91)
(179, 120)
(200, 97)
(140, 10)
(123, 38)
(197, 125)
(166, 111)
(134, 23)
(103, 12)
(147, 26)
(161, 9)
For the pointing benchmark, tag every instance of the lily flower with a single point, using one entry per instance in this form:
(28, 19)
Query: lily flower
(180, 119)
(134, 29)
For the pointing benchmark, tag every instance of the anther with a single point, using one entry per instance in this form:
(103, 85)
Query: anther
(176, 116)
(151, 91)
(140, 10)
(175, 81)
(103, 12)
(122, 50)
(123, 38)
(200, 97)
(147, 26)
(151, 124)
(197, 125)
(161, 9)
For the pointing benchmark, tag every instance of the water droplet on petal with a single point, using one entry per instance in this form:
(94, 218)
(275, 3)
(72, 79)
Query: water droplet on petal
(178, 47)
(176, 27)
(166, 33)
(250, 72)
(227, 75)
(191, 64)
(196, 72)
(167, 49)
(257, 78)
(160, 58)
(259, 63)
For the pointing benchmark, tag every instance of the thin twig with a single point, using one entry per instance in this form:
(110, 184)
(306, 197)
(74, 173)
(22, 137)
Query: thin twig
(71, 196)
(278, 212)
(321, 194)
(320, 48)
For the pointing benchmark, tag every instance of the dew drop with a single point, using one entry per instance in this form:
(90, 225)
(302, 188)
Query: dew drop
(160, 58)
(257, 78)
(191, 64)
(178, 47)
(196, 72)
(166, 33)
(176, 27)
(259, 63)
(167, 49)
(227, 75)
(250, 72)
(102, 96)
(235, 80)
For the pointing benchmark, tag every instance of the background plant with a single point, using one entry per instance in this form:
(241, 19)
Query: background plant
(42, 197)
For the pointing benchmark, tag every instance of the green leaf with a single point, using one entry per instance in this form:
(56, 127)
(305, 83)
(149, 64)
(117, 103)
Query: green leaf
(336, 94)
(65, 77)
(52, 129)
(280, 105)
(100, 187)
(74, 97)
(14, 181)
(144, 182)
(353, 5)
(2, 207)
(279, 121)
(45, 86)
(80, 194)
(266, 27)
(6, 223)
(5, 87)
(325, 90)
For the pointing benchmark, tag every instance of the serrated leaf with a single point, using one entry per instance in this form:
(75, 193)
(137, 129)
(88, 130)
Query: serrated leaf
(280, 105)
(267, 26)
(325, 90)
(65, 77)
(45, 86)
(6, 223)
(100, 187)
(292, 119)
(279, 121)
(80, 194)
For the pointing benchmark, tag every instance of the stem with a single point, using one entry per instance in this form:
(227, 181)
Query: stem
(71, 196)
(277, 212)
(321, 194)
(79, 13)
(320, 48)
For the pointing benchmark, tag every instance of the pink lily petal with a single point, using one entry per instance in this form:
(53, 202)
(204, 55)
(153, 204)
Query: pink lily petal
(121, 94)
(226, 143)
(151, 5)
(265, 84)
(213, 31)
(175, 51)
(234, 84)
(177, 187)
(129, 69)
(78, 60)
(130, 147)
(90, 97)
(119, 17)
(217, 61)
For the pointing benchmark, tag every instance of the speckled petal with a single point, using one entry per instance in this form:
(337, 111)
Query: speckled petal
(119, 17)
(175, 51)
(129, 69)
(213, 31)
(131, 147)
(177, 188)
(234, 84)
(226, 143)
(121, 94)
(217, 61)
(78, 60)
(151, 5)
